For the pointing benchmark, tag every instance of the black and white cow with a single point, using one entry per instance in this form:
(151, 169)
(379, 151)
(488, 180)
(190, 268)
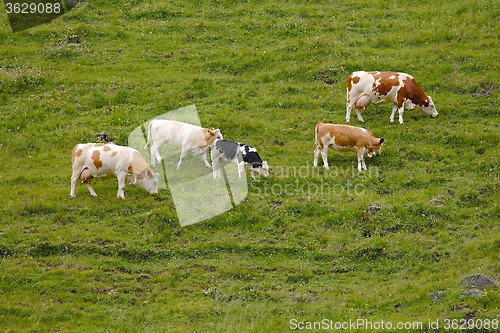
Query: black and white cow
(224, 151)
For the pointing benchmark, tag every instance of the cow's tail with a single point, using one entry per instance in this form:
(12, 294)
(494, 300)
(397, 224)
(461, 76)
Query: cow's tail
(318, 142)
(148, 134)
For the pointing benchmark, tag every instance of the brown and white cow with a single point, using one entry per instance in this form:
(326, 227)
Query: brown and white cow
(177, 134)
(98, 160)
(400, 89)
(345, 138)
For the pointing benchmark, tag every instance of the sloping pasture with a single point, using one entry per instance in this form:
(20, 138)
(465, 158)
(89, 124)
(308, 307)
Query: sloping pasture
(301, 248)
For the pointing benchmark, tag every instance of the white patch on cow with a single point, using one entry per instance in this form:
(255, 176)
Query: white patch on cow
(338, 148)
(330, 142)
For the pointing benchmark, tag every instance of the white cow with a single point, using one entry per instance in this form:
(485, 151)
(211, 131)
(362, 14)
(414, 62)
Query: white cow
(98, 160)
(177, 134)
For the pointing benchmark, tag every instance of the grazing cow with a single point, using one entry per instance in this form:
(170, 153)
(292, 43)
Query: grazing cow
(400, 89)
(345, 138)
(98, 160)
(180, 135)
(237, 153)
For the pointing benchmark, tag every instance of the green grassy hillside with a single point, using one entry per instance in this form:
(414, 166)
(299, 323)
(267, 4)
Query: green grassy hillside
(301, 248)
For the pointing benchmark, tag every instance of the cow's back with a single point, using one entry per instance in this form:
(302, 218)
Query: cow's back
(359, 82)
(82, 154)
(175, 133)
(100, 159)
(345, 135)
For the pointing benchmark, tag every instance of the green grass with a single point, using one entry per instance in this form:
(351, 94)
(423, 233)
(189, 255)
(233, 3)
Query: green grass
(301, 245)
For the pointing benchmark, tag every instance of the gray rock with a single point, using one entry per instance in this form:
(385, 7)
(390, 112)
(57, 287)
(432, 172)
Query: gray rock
(472, 292)
(104, 136)
(437, 295)
(72, 3)
(479, 281)
(373, 209)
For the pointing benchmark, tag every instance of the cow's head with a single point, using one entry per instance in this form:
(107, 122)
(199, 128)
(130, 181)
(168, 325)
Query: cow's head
(429, 108)
(211, 134)
(263, 170)
(215, 132)
(375, 148)
(150, 182)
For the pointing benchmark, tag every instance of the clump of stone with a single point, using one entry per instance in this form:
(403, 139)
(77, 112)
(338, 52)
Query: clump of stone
(437, 295)
(104, 137)
(373, 209)
(474, 284)
(479, 281)
(472, 292)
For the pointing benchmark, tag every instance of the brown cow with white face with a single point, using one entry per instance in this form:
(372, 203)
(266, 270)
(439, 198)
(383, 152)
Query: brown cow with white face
(400, 89)
(345, 138)
(97, 160)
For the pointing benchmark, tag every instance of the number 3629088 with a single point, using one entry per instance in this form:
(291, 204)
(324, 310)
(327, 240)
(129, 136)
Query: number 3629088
(33, 8)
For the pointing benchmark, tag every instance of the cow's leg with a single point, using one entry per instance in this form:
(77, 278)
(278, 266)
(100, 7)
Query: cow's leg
(358, 113)
(204, 158)
(317, 151)
(215, 162)
(361, 103)
(216, 165)
(155, 154)
(74, 179)
(153, 158)
(363, 165)
(400, 111)
(121, 176)
(361, 160)
(241, 168)
(348, 112)
(393, 112)
(324, 156)
(87, 179)
(91, 190)
(184, 152)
